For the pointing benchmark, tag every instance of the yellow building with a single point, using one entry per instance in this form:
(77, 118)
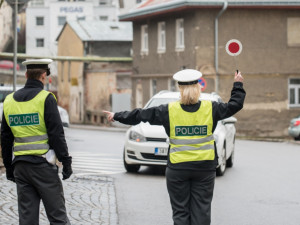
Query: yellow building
(85, 89)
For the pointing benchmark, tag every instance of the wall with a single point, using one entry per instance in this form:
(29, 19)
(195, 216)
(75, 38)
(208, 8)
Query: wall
(70, 76)
(111, 49)
(269, 58)
(101, 81)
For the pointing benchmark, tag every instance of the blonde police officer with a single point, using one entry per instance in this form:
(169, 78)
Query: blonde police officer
(192, 158)
(31, 125)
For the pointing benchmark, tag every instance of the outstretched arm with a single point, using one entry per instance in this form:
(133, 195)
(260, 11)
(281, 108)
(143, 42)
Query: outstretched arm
(154, 115)
(110, 116)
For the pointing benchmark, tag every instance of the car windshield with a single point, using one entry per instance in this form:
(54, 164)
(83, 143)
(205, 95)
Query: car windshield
(160, 101)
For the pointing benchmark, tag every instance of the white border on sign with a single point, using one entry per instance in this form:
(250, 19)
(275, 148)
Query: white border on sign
(235, 41)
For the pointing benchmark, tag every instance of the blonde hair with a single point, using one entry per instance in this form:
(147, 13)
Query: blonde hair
(189, 94)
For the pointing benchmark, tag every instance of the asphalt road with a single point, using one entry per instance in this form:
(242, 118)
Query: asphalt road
(262, 188)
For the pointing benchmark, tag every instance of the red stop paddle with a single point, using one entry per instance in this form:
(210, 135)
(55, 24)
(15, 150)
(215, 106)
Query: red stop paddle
(234, 48)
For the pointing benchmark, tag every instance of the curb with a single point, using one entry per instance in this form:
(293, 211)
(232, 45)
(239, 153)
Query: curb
(93, 127)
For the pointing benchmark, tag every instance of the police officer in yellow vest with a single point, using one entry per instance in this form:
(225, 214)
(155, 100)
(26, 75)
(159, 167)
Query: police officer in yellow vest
(192, 158)
(31, 127)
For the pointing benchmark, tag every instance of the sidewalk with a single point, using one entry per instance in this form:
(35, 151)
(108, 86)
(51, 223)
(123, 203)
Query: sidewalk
(89, 200)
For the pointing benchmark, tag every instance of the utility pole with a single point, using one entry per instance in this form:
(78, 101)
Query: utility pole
(15, 44)
(15, 5)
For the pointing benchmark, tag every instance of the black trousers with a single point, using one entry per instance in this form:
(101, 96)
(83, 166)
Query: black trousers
(36, 182)
(191, 193)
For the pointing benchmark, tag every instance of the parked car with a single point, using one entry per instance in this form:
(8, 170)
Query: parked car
(147, 144)
(6, 90)
(294, 128)
(64, 116)
(7, 64)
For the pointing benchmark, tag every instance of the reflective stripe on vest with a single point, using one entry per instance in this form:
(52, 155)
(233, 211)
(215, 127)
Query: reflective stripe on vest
(191, 137)
(31, 139)
(26, 121)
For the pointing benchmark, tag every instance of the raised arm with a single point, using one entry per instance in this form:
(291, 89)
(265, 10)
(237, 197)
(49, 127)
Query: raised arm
(235, 103)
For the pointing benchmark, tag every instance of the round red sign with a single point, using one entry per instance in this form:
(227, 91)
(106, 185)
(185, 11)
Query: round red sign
(234, 47)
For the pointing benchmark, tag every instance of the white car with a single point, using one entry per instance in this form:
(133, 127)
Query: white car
(147, 144)
(64, 116)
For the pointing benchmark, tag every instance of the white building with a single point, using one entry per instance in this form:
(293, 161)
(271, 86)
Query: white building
(126, 5)
(45, 19)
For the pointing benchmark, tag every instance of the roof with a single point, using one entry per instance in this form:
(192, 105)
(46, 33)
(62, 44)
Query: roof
(153, 7)
(101, 30)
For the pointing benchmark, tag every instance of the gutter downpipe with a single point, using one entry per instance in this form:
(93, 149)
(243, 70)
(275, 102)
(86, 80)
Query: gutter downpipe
(217, 45)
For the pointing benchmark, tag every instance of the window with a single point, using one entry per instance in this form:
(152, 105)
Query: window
(81, 18)
(161, 44)
(144, 39)
(293, 34)
(294, 92)
(61, 20)
(179, 35)
(39, 21)
(103, 2)
(37, 2)
(173, 85)
(121, 4)
(104, 18)
(153, 87)
(40, 42)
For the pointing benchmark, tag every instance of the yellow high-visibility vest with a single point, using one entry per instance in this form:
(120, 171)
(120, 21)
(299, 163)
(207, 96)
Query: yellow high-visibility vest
(191, 137)
(26, 121)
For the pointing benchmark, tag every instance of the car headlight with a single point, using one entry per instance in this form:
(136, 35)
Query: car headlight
(135, 136)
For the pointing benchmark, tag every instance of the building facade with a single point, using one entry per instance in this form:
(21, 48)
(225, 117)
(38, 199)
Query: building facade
(45, 19)
(85, 89)
(169, 36)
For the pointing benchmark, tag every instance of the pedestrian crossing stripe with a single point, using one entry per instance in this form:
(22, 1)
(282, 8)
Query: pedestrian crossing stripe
(97, 163)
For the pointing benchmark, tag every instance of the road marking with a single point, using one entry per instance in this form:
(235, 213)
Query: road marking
(96, 163)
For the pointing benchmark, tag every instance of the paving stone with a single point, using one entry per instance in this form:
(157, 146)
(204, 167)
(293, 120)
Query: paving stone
(89, 200)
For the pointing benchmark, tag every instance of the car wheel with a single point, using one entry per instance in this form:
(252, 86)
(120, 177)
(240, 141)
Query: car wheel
(130, 168)
(221, 169)
(229, 162)
(297, 138)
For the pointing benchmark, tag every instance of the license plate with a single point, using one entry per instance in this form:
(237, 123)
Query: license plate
(161, 151)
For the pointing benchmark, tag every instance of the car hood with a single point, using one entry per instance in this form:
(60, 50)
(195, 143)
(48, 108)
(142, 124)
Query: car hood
(147, 130)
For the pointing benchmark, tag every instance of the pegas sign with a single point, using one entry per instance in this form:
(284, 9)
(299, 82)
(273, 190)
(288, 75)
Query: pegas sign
(71, 9)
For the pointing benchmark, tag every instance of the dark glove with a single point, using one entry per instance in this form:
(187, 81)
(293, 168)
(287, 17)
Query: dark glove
(10, 174)
(67, 169)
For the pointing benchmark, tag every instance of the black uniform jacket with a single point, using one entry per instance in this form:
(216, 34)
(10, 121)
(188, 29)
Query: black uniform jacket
(160, 116)
(53, 123)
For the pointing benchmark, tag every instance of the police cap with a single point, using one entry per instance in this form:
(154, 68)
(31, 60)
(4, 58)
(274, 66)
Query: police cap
(38, 64)
(187, 76)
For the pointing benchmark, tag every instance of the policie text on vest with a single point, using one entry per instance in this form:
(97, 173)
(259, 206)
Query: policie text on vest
(24, 119)
(190, 130)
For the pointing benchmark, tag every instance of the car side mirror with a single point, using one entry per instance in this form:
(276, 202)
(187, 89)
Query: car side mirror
(229, 120)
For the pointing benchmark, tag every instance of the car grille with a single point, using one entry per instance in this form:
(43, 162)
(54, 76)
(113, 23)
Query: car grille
(155, 157)
(156, 139)
(132, 157)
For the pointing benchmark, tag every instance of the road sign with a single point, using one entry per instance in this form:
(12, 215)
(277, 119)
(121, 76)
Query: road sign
(203, 83)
